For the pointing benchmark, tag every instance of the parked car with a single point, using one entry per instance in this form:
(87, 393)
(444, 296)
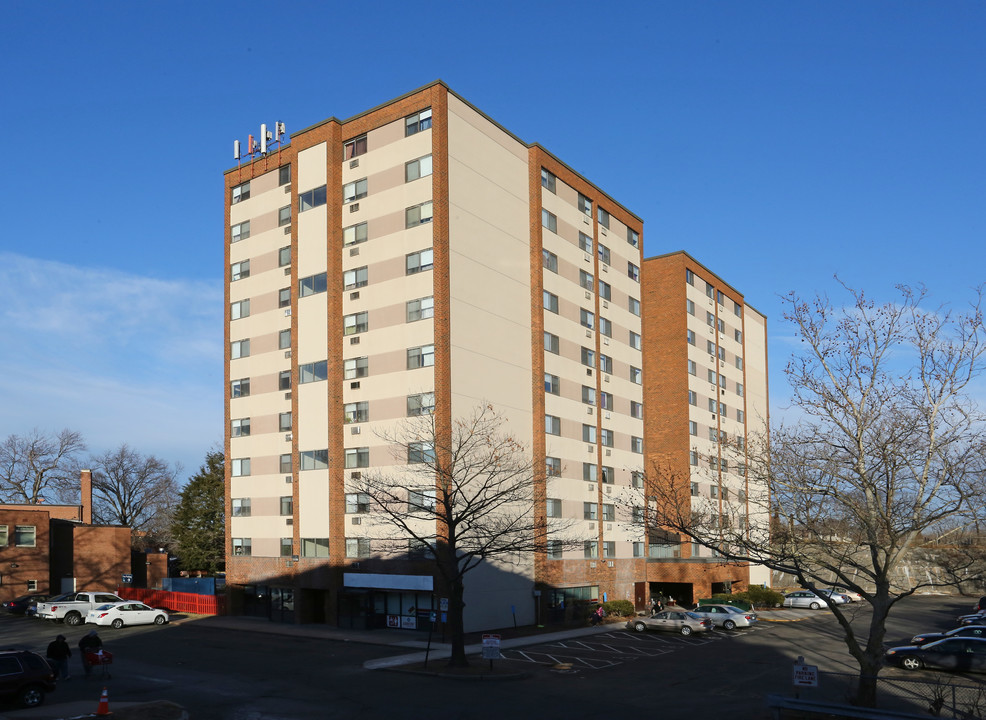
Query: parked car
(836, 597)
(119, 614)
(25, 676)
(981, 605)
(978, 631)
(803, 599)
(19, 605)
(73, 607)
(726, 616)
(955, 653)
(978, 618)
(679, 621)
(851, 594)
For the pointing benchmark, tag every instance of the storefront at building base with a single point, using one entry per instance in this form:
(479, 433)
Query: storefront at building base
(375, 600)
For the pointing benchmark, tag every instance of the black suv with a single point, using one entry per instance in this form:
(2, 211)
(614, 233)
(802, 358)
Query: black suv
(25, 676)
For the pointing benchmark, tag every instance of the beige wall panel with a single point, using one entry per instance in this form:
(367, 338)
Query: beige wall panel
(263, 424)
(312, 339)
(311, 170)
(265, 196)
(313, 503)
(386, 224)
(465, 114)
(312, 231)
(385, 157)
(313, 416)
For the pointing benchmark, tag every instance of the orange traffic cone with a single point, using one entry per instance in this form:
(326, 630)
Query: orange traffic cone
(104, 704)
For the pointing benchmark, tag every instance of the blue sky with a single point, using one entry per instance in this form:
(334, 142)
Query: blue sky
(779, 143)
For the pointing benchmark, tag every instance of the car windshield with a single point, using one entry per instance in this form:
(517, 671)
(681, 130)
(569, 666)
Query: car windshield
(60, 598)
(693, 616)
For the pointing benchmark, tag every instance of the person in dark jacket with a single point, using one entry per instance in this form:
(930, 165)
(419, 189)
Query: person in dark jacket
(90, 643)
(58, 655)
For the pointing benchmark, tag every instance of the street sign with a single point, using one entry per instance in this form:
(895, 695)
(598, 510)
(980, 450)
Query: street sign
(491, 647)
(443, 604)
(128, 578)
(805, 675)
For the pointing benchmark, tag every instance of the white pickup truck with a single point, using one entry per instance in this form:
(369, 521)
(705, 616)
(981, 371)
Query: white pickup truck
(74, 606)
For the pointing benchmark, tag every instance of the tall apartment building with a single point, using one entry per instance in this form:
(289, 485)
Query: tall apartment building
(418, 258)
(706, 365)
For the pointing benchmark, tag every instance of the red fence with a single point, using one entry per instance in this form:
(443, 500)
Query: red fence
(177, 602)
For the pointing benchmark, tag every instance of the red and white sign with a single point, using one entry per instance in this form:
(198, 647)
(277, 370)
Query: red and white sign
(491, 647)
(805, 675)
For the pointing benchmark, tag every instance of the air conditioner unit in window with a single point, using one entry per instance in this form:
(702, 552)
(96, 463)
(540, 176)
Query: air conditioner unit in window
(605, 267)
(588, 257)
(355, 475)
(592, 488)
(287, 271)
(611, 563)
(287, 189)
(609, 491)
(354, 430)
(589, 410)
(592, 526)
(353, 164)
(354, 295)
(288, 437)
(354, 340)
(287, 312)
(357, 520)
(605, 341)
(287, 230)
(608, 452)
(588, 295)
(590, 448)
(287, 353)
(354, 385)
(289, 521)
(606, 378)
(287, 396)
(588, 333)
(605, 304)
(353, 251)
(592, 564)
(585, 219)
(354, 207)
(606, 415)
(287, 478)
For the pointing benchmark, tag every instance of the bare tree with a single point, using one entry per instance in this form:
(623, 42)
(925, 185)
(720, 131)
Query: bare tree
(34, 465)
(134, 490)
(888, 451)
(466, 496)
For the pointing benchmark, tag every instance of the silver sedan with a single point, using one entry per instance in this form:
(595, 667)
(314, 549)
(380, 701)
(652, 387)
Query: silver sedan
(684, 623)
(803, 599)
(726, 616)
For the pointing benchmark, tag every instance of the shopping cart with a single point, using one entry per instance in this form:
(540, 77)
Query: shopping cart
(101, 659)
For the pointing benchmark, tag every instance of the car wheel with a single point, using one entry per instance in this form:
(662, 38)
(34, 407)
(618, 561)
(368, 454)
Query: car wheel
(117, 624)
(31, 696)
(685, 630)
(911, 663)
(639, 627)
(73, 618)
(729, 625)
(814, 606)
(159, 620)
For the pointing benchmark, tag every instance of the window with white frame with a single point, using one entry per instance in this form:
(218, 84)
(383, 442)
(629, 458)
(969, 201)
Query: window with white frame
(636, 410)
(25, 535)
(636, 375)
(588, 395)
(605, 290)
(590, 472)
(355, 278)
(240, 467)
(421, 500)
(356, 412)
(589, 433)
(357, 457)
(284, 256)
(240, 231)
(355, 190)
(552, 466)
(419, 214)
(239, 349)
(604, 254)
(284, 175)
(242, 547)
(590, 549)
(605, 327)
(284, 421)
(315, 547)
(240, 427)
(416, 169)
(634, 306)
(239, 310)
(586, 318)
(357, 503)
(284, 216)
(552, 424)
(418, 122)
(420, 309)
(239, 271)
(553, 549)
(357, 547)
(355, 368)
(418, 357)
(420, 404)
(355, 323)
(284, 339)
(313, 372)
(284, 297)
(590, 511)
(419, 261)
(241, 507)
(553, 507)
(239, 388)
(240, 192)
(354, 234)
(605, 364)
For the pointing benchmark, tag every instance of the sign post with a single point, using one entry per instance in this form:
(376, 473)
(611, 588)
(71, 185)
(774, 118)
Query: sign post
(491, 648)
(804, 675)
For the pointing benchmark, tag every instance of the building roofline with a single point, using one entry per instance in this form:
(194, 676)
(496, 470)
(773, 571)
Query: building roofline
(708, 270)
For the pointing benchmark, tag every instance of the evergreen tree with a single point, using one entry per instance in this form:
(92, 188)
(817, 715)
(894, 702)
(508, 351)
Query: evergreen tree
(199, 522)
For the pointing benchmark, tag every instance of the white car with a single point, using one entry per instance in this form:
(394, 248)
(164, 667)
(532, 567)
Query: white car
(851, 594)
(117, 615)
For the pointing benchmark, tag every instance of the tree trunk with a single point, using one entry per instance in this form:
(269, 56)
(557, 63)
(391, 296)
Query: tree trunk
(455, 625)
(871, 659)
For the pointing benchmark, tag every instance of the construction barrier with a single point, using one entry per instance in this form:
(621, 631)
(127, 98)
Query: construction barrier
(176, 602)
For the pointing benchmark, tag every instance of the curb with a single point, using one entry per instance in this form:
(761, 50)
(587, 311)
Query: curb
(466, 678)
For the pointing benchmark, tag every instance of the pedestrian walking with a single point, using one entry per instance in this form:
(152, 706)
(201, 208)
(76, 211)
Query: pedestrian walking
(90, 643)
(58, 655)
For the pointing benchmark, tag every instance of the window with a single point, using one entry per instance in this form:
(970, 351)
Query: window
(590, 549)
(314, 459)
(633, 271)
(240, 192)
(419, 214)
(636, 410)
(636, 375)
(635, 341)
(552, 466)
(588, 395)
(549, 261)
(722, 381)
(692, 397)
(552, 384)
(605, 364)
(606, 437)
(284, 256)
(585, 243)
(553, 507)
(355, 368)
(721, 324)
(417, 169)
(32, 585)
(356, 412)
(605, 291)
(588, 357)
(713, 434)
(693, 457)
(740, 415)
(710, 319)
(239, 310)
(354, 234)
(283, 175)
(710, 290)
(284, 339)
(286, 547)
(551, 343)
(714, 491)
(590, 511)
(553, 549)
(355, 323)
(284, 297)
(552, 424)
(241, 467)
(590, 472)
(603, 217)
(312, 284)
(357, 547)
(313, 372)
(549, 221)
(689, 277)
(420, 452)
(548, 180)
(633, 237)
(241, 546)
(239, 349)
(355, 278)
(609, 548)
(419, 357)
(712, 405)
(239, 271)
(694, 489)
(284, 421)
(354, 148)
(550, 301)
(239, 388)
(737, 309)
(417, 122)
(357, 503)
(719, 297)
(589, 433)
(637, 479)
(284, 216)
(711, 376)
(417, 261)
(420, 309)
(354, 191)
(739, 389)
(585, 317)
(315, 547)
(239, 232)
(420, 404)
(585, 205)
(710, 346)
(634, 305)
(692, 367)
(738, 336)
(241, 507)
(638, 549)
(585, 280)
(722, 353)
(690, 306)
(739, 363)
(357, 457)
(423, 500)
(603, 254)
(690, 336)
(693, 428)
(239, 427)
(285, 463)
(311, 199)
(609, 513)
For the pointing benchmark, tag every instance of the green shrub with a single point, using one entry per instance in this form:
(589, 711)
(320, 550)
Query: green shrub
(763, 597)
(619, 608)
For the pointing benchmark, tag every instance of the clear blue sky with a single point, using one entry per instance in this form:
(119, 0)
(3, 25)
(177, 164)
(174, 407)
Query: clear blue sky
(779, 143)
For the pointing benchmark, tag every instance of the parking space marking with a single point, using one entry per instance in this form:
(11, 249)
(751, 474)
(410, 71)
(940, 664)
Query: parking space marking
(556, 659)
